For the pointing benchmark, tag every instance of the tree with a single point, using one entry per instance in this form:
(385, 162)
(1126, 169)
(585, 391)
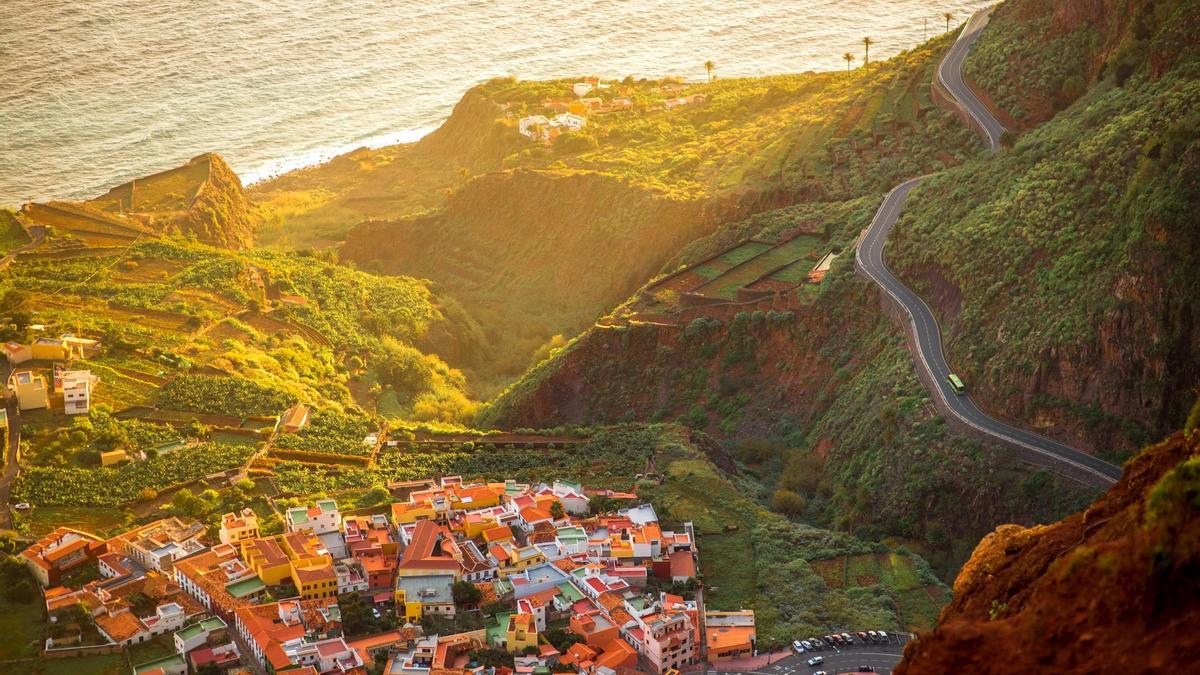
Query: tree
(849, 59)
(867, 47)
(710, 67)
(598, 504)
(465, 593)
(949, 18)
(556, 510)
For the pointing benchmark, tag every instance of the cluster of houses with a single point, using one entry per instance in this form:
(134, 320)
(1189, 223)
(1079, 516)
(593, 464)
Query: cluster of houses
(564, 115)
(535, 551)
(66, 390)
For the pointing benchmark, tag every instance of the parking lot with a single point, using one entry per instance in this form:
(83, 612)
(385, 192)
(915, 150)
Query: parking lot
(846, 659)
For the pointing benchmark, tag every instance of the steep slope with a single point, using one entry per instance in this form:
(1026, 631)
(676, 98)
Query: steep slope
(561, 232)
(1079, 318)
(1110, 589)
(832, 386)
(202, 199)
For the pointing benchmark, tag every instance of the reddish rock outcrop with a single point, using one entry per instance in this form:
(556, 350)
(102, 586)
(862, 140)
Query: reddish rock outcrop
(1115, 588)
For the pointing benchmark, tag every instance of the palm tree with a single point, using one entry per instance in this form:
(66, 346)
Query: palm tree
(867, 47)
(710, 67)
(949, 18)
(849, 59)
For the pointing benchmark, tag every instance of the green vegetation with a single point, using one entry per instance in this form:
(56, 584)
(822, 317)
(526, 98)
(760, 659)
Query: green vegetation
(166, 308)
(11, 234)
(612, 456)
(221, 395)
(750, 557)
(330, 432)
(1091, 261)
(112, 486)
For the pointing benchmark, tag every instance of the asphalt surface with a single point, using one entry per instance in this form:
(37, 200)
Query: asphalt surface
(1055, 456)
(882, 657)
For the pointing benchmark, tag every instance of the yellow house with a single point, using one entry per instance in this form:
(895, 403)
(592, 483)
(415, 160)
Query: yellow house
(496, 533)
(238, 527)
(522, 632)
(315, 581)
(305, 549)
(521, 558)
(404, 513)
(475, 497)
(3, 429)
(30, 389)
(113, 457)
(51, 349)
(410, 612)
(267, 559)
(474, 525)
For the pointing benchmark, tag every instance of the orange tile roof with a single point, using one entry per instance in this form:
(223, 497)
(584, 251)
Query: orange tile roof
(498, 533)
(425, 551)
(121, 626)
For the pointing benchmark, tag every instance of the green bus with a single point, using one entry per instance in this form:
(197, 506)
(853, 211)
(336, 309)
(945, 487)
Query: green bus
(956, 384)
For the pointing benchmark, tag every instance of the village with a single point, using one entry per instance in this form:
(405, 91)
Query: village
(567, 114)
(452, 577)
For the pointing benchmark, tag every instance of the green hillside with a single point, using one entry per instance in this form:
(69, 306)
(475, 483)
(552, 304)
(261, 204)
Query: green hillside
(1081, 317)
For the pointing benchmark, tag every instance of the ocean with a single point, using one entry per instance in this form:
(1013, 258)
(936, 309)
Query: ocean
(96, 92)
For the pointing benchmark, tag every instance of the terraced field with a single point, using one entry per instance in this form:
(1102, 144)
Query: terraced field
(727, 284)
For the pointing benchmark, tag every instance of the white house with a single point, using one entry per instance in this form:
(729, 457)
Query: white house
(324, 518)
(167, 618)
(581, 89)
(76, 388)
(531, 126)
(570, 121)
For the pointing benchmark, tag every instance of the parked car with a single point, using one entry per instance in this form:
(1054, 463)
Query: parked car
(816, 660)
(883, 636)
(22, 506)
(806, 644)
(873, 635)
(818, 643)
(830, 641)
(798, 646)
(849, 640)
(862, 636)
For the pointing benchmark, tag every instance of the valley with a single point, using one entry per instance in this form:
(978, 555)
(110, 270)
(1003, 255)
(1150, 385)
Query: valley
(809, 320)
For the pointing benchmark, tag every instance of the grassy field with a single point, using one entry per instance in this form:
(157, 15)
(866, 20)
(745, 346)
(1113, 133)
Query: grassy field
(100, 520)
(21, 625)
(104, 664)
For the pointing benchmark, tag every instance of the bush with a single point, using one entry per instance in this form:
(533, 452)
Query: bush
(788, 503)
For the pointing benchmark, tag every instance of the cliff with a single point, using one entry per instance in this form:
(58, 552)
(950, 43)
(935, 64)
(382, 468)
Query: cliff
(1111, 589)
(1063, 269)
(203, 198)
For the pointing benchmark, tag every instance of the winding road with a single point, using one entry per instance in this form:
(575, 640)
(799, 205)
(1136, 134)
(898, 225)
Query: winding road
(924, 330)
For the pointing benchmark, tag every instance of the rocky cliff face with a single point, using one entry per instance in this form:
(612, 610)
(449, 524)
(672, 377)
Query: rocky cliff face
(220, 212)
(1112, 589)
